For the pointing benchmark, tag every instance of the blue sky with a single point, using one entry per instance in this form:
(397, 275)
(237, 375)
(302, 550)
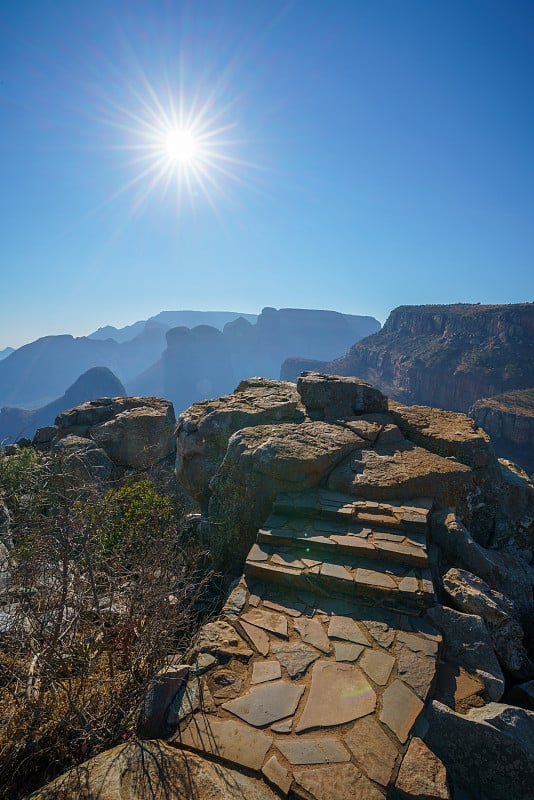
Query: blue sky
(378, 152)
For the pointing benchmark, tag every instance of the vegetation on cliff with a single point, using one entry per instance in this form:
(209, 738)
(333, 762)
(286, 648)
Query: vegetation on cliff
(100, 584)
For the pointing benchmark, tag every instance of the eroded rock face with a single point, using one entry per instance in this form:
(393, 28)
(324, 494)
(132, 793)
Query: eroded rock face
(333, 397)
(509, 419)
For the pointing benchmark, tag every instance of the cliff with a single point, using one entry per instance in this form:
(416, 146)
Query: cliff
(447, 356)
(509, 420)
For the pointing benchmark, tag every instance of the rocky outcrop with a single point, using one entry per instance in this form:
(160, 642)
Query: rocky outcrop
(97, 437)
(509, 420)
(96, 382)
(235, 455)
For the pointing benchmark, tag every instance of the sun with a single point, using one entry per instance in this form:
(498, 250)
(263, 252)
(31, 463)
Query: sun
(180, 146)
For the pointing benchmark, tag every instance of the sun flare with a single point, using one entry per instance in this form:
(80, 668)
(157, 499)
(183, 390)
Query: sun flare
(181, 146)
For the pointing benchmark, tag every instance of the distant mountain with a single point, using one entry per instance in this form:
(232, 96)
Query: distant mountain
(6, 352)
(171, 319)
(38, 372)
(96, 382)
(204, 362)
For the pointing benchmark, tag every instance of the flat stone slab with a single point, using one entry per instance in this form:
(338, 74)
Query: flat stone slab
(374, 579)
(231, 741)
(422, 773)
(338, 782)
(415, 666)
(377, 666)
(327, 750)
(312, 632)
(268, 620)
(346, 651)
(257, 636)
(347, 629)
(266, 703)
(373, 749)
(295, 657)
(263, 671)
(221, 639)
(339, 693)
(277, 774)
(400, 709)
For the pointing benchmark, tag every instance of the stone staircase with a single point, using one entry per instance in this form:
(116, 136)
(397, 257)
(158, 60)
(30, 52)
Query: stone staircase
(315, 674)
(328, 542)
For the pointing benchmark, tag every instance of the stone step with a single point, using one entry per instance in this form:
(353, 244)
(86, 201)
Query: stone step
(364, 542)
(410, 515)
(345, 574)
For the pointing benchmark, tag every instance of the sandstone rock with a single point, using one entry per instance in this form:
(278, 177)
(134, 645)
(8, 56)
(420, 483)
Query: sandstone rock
(337, 782)
(489, 751)
(332, 397)
(402, 470)
(260, 462)
(203, 431)
(422, 774)
(509, 420)
(79, 460)
(472, 595)
(339, 693)
(152, 770)
(445, 433)
(373, 749)
(138, 437)
(221, 640)
(467, 642)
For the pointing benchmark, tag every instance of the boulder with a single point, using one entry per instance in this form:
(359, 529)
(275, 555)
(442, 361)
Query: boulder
(80, 459)
(332, 397)
(152, 770)
(395, 467)
(473, 596)
(139, 437)
(467, 642)
(507, 570)
(204, 430)
(489, 751)
(260, 462)
(445, 433)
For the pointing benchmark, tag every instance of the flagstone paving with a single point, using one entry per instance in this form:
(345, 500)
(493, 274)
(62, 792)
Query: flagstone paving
(321, 663)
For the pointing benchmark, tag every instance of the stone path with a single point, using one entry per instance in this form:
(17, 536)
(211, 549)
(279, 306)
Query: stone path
(323, 658)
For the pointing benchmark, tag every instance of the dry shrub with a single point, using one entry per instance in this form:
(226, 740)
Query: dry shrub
(104, 586)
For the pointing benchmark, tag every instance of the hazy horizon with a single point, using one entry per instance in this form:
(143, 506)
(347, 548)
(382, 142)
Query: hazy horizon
(234, 155)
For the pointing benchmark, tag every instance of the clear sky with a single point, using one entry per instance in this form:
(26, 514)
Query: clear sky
(231, 154)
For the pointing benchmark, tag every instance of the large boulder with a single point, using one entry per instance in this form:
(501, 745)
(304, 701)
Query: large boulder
(152, 770)
(472, 595)
(259, 463)
(334, 397)
(489, 751)
(204, 430)
(135, 432)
